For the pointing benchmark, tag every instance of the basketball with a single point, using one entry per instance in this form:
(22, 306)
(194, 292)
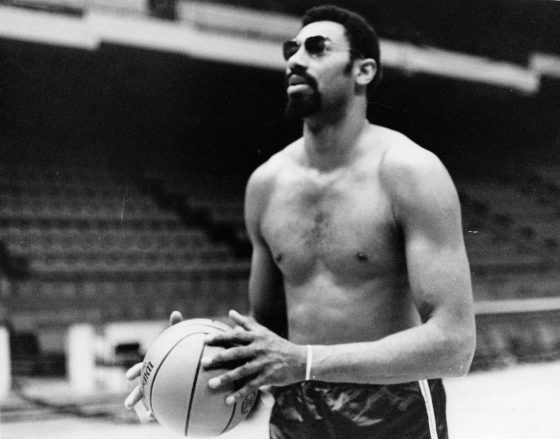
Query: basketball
(175, 385)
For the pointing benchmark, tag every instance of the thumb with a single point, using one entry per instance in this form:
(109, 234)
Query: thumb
(175, 317)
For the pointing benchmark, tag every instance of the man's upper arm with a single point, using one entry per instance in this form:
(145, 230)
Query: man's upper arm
(427, 208)
(266, 294)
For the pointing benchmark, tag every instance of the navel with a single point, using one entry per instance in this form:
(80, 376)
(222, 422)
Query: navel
(362, 257)
(278, 258)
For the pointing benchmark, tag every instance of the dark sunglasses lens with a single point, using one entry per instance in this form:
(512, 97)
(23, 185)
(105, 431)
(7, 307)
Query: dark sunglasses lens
(315, 45)
(289, 49)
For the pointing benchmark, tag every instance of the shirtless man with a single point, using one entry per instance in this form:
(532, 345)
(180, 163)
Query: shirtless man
(360, 287)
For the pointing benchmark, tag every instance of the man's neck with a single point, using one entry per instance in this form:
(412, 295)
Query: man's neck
(331, 142)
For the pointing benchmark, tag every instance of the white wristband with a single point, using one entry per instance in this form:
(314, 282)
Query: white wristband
(309, 362)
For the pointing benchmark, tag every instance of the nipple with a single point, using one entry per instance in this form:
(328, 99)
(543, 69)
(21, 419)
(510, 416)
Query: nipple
(362, 257)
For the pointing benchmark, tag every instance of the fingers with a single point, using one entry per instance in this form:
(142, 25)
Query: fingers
(144, 415)
(134, 372)
(133, 398)
(175, 317)
(235, 375)
(136, 394)
(245, 322)
(234, 355)
(236, 336)
(248, 389)
(246, 330)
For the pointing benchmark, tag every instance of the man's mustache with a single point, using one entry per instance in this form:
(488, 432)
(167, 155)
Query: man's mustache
(303, 78)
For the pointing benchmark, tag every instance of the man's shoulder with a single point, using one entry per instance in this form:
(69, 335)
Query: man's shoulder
(405, 159)
(283, 159)
(263, 178)
(410, 171)
(402, 153)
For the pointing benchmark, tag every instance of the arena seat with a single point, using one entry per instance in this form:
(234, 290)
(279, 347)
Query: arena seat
(102, 248)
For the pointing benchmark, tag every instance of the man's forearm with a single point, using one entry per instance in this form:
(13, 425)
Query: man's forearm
(422, 352)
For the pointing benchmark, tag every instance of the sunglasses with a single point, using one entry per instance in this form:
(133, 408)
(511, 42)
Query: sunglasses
(317, 46)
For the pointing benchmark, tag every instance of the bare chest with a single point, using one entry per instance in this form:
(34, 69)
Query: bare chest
(343, 227)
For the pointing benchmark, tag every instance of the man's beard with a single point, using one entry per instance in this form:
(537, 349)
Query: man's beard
(300, 106)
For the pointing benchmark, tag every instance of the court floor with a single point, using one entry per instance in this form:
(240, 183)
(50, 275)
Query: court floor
(517, 403)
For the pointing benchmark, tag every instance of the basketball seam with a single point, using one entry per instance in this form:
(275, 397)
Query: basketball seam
(195, 382)
(161, 364)
(193, 391)
(230, 418)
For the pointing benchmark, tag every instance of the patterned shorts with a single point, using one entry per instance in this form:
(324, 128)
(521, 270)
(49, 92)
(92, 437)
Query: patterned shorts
(320, 410)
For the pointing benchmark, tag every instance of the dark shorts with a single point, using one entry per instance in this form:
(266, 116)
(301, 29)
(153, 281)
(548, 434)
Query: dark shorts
(320, 410)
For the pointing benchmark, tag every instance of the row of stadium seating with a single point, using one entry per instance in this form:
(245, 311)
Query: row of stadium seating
(83, 207)
(60, 240)
(510, 253)
(218, 197)
(15, 187)
(514, 339)
(65, 170)
(486, 250)
(528, 209)
(504, 226)
(61, 229)
(122, 264)
(517, 285)
(44, 302)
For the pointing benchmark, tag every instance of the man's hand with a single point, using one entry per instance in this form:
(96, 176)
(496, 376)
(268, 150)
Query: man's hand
(266, 358)
(134, 372)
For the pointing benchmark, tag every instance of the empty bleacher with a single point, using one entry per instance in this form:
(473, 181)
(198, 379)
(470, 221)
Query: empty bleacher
(134, 248)
(521, 209)
(97, 247)
(512, 231)
(218, 199)
(510, 236)
(517, 331)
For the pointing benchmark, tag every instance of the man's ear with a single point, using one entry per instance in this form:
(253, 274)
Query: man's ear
(366, 70)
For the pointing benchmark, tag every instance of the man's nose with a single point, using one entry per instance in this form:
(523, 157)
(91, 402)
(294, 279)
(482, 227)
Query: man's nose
(296, 69)
(298, 60)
